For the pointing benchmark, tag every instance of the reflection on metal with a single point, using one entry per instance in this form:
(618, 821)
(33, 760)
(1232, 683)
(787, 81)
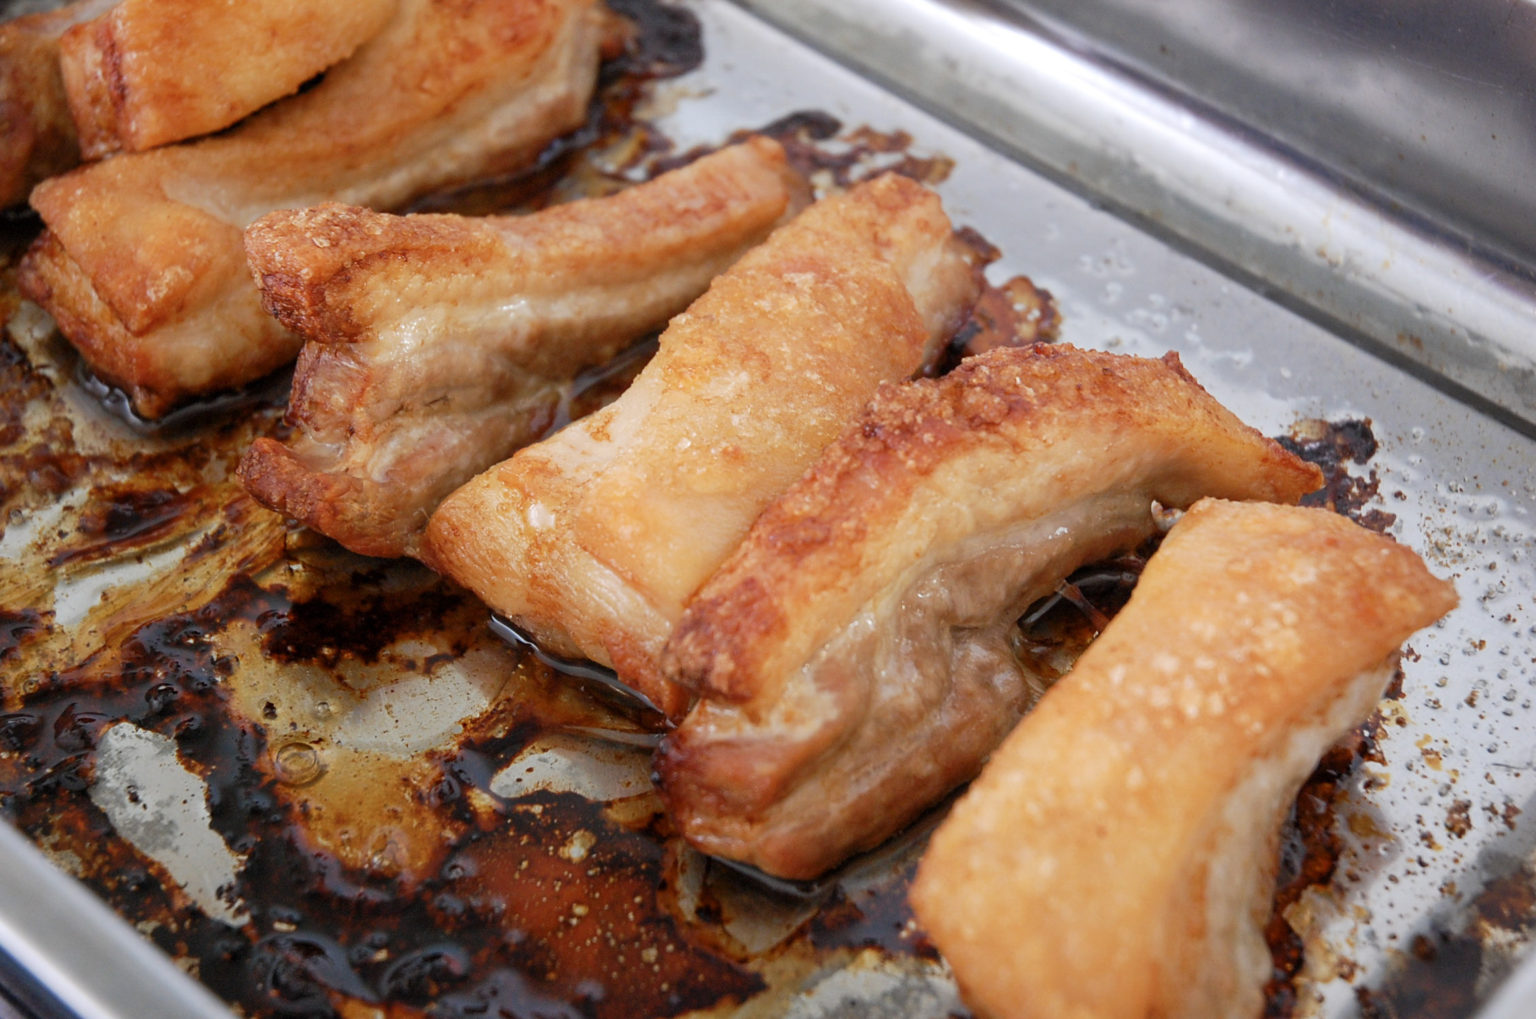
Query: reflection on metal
(162, 809)
(599, 771)
(1432, 105)
(357, 751)
(84, 954)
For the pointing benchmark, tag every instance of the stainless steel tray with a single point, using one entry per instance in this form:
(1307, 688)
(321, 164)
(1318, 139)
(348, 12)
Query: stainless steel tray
(1157, 225)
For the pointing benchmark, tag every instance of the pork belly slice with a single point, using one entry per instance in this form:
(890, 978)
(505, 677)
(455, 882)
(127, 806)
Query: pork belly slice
(37, 135)
(439, 345)
(593, 539)
(142, 263)
(853, 657)
(1117, 856)
(149, 72)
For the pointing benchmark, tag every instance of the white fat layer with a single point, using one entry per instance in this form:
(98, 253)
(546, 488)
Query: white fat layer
(1020, 561)
(481, 125)
(1224, 973)
(927, 661)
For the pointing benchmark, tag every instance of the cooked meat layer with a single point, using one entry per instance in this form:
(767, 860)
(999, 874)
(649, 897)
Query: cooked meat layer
(142, 263)
(150, 72)
(853, 656)
(37, 136)
(439, 345)
(594, 539)
(1129, 825)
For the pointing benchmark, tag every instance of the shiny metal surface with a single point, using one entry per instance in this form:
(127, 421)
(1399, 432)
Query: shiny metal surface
(87, 957)
(1142, 169)
(1302, 235)
(1462, 484)
(1516, 998)
(1427, 104)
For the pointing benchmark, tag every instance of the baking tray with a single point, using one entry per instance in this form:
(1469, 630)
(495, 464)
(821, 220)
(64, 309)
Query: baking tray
(1297, 299)
(1425, 103)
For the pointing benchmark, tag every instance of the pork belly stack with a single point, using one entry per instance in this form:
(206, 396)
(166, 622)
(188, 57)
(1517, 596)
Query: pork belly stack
(142, 264)
(1117, 856)
(439, 345)
(37, 135)
(852, 657)
(149, 72)
(594, 539)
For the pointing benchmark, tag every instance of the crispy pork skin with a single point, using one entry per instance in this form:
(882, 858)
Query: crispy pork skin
(400, 401)
(142, 264)
(852, 656)
(149, 72)
(1117, 856)
(37, 135)
(594, 539)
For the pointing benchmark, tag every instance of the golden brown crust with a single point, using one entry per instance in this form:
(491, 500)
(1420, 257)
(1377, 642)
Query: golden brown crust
(37, 136)
(275, 476)
(150, 72)
(852, 654)
(593, 539)
(323, 271)
(221, 343)
(310, 264)
(472, 87)
(733, 639)
(1128, 825)
(879, 273)
(438, 345)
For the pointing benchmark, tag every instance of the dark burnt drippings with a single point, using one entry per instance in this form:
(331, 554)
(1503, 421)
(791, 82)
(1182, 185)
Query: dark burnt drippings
(597, 681)
(18, 225)
(818, 147)
(166, 680)
(667, 40)
(190, 418)
(1310, 848)
(139, 494)
(511, 918)
(865, 905)
(1445, 968)
(17, 626)
(833, 159)
(492, 925)
(23, 384)
(873, 918)
(352, 620)
(47, 467)
(119, 517)
(1014, 313)
(1055, 630)
(1336, 447)
(506, 923)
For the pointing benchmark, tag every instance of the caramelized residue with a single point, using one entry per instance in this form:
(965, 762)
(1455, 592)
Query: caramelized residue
(1013, 313)
(1055, 630)
(1446, 973)
(830, 157)
(436, 869)
(370, 750)
(1334, 446)
(1310, 846)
